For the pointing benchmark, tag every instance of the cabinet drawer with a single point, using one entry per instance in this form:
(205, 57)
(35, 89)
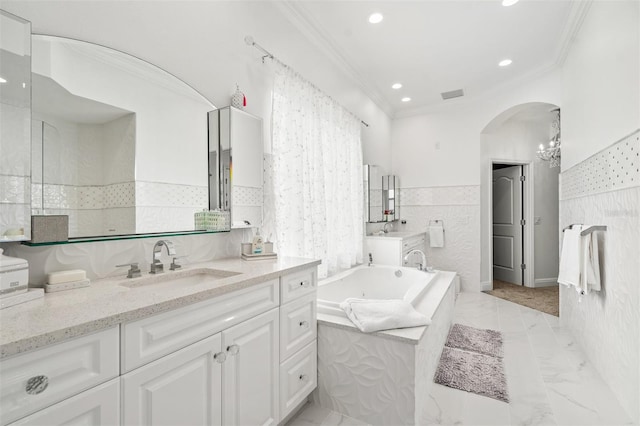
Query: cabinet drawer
(297, 325)
(99, 406)
(37, 379)
(298, 378)
(151, 338)
(298, 284)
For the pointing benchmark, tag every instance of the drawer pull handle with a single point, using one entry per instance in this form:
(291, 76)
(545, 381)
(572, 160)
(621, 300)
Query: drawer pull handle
(304, 324)
(37, 384)
(303, 377)
(304, 283)
(233, 349)
(220, 357)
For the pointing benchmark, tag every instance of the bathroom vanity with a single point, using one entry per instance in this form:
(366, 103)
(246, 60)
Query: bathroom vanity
(391, 248)
(223, 342)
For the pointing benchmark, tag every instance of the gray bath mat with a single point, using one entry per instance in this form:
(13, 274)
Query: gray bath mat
(488, 342)
(472, 372)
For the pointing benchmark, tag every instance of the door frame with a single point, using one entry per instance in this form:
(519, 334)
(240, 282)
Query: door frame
(528, 210)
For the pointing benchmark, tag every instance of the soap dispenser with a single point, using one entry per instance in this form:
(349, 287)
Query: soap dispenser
(257, 247)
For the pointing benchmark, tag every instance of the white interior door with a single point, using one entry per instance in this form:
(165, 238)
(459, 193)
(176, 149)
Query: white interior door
(507, 226)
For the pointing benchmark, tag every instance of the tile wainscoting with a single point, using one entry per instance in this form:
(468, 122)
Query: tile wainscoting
(605, 190)
(459, 208)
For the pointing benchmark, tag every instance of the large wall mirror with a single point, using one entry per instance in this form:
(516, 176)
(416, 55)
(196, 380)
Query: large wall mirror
(15, 118)
(119, 145)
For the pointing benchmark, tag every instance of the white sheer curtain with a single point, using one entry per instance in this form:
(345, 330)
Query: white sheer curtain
(317, 175)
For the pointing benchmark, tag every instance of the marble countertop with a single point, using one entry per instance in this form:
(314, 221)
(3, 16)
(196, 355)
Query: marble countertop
(111, 301)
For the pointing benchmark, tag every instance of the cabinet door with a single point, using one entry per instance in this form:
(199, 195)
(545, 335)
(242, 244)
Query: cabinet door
(250, 376)
(182, 388)
(99, 406)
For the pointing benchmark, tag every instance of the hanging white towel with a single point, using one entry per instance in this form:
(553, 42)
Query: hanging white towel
(569, 273)
(436, 235)
(371, 315)
(590, 260)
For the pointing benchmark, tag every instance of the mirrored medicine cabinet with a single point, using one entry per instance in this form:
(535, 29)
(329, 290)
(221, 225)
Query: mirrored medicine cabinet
(381, 195)
(236, 165)
(114, 142)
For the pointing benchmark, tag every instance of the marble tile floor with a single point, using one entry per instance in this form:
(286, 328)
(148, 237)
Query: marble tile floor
(549, 379)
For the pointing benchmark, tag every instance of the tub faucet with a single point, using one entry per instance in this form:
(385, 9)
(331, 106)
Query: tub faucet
(384, 228)
(421, 266)
(156, 266)
(370, 259)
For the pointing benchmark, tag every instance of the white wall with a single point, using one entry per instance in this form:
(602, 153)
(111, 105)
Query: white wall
(600, 81)
(440, 150)
(601, 105)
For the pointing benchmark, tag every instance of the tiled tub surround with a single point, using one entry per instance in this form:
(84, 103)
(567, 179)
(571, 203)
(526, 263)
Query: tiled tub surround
(64, 315)
(459, 208)
(376, 377)
(605, 190)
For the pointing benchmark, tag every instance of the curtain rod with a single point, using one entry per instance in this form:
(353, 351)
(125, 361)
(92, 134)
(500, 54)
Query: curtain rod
(266, 54)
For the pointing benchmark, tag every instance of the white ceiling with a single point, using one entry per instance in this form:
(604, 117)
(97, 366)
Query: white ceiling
(438, 45)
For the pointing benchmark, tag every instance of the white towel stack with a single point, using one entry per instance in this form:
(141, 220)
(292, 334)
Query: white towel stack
(371, 315)
(579, 260)
(66, 280)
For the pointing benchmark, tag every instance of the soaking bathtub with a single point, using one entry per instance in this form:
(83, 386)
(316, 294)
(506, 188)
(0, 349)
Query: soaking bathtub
(372, 282)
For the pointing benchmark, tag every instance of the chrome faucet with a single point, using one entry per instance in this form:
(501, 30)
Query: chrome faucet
(421, 266)
(384, 228)
(156, 266)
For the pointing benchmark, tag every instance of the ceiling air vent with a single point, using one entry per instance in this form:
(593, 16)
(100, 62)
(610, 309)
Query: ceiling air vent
(452, 94)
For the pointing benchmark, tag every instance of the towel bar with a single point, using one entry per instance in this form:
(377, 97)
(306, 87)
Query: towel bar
(436, 222)
(588, 230)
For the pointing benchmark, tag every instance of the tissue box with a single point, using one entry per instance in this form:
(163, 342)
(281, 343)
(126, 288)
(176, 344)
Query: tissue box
(212, 220)
(14, 276)
(49, 229)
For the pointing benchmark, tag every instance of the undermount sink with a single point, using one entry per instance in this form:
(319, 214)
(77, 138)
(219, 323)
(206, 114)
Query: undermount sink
(185, 278)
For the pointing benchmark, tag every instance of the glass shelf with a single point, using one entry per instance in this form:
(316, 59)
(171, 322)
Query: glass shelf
(121, 237)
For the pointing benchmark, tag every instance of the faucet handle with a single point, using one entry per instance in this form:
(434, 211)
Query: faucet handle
(175, 265)
(133, 272)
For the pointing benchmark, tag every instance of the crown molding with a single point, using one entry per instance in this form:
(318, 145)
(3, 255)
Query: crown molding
(577, 14)
(309, 27)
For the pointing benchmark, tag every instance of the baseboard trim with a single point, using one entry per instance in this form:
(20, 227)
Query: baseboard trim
(545, 282)
(486, 286)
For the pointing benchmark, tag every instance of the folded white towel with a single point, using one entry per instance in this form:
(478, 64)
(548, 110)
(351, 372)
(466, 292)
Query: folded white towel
(579, 261)
(436, 235)
(569, 273)
(374, 315)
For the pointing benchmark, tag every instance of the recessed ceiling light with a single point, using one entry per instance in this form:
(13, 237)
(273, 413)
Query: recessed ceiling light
(396, 86)
(375, 18)
(2, 80)
(407, 99)
(509, 2)
(505, 62)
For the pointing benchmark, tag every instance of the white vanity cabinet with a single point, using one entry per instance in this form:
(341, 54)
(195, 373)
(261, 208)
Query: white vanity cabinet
(246, 357)
(391, 248)
(298, 339)
(34, 380)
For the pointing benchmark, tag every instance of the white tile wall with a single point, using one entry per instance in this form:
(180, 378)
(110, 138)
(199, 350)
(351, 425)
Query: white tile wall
(246, 196)
(459, 208)
(617, 167)
(605, 190)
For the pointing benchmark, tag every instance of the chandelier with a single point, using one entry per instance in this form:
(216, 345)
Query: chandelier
(551, 152)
